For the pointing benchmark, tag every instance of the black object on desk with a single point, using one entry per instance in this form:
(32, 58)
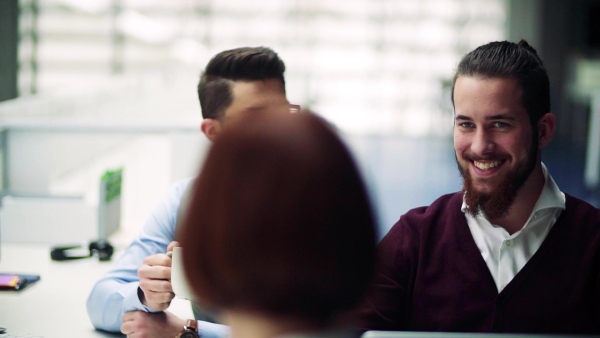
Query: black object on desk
(110, 193)
(101, 248)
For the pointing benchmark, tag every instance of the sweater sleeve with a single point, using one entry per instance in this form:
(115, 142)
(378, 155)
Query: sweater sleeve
(386, 305)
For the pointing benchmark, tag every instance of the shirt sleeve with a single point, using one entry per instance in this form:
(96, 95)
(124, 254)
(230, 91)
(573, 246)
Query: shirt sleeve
(117, 291)
(213, 330)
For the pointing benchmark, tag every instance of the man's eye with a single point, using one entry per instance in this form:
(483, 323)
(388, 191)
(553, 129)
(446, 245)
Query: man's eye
(500, 125)
(466, 125)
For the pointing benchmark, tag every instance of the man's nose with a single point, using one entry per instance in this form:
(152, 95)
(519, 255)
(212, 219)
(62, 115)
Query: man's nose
(483, 142)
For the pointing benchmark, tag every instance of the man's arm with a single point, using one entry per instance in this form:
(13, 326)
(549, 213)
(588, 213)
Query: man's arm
(166, 324)
(118, 291)
(213, 330)
(117, 297)
(387, 303)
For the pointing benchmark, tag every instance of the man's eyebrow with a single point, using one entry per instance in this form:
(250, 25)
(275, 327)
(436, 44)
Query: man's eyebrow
(493, 117)
(501, 117)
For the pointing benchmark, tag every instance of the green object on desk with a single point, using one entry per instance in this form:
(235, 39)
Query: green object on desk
(113, 180)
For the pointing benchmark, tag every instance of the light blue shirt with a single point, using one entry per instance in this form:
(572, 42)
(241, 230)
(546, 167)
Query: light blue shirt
(117, 292)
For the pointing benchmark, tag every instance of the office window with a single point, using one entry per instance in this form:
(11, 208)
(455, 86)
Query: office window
(369, 66)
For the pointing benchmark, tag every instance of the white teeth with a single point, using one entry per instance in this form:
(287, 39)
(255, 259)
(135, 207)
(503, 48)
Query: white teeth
(487, 165)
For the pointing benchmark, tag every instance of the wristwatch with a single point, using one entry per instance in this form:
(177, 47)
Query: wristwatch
(190, 329)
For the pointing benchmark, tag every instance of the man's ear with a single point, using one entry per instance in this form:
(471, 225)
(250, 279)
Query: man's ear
(546, 126)
(211, 128)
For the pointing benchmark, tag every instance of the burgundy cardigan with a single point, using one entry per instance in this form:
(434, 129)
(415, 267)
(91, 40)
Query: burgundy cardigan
(431, 277)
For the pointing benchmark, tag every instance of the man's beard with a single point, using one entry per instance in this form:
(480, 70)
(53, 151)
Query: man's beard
(497, 203)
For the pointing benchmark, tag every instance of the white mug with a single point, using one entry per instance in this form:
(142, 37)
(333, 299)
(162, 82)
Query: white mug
(181, 287)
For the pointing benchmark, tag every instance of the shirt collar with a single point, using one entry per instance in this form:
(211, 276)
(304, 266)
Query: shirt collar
(551, 196)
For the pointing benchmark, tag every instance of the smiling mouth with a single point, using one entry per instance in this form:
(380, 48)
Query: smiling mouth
(487, 165)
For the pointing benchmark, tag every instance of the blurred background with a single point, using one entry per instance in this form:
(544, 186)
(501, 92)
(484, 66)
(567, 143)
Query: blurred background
(97, 85)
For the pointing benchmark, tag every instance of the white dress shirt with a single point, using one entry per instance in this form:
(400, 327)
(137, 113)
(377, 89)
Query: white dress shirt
(505, 254)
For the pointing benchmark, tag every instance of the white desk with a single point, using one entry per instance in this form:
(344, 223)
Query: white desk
(54, 307)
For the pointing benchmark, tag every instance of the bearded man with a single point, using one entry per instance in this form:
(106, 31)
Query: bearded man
(510, 252)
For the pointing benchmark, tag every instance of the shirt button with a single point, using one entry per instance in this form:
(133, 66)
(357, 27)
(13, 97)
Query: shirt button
(508, 243)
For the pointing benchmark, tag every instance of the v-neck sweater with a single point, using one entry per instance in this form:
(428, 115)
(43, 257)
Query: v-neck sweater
(432, 277)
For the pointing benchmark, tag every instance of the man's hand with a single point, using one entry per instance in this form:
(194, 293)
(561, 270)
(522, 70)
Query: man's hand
(140, 324)
(155, 280)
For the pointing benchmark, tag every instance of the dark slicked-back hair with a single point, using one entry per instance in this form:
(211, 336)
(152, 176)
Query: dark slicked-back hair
(519, 61)
(279, 221)
(239, 64)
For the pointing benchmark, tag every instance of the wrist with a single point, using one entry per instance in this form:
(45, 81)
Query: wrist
(143, 300)
(152, 307)
(190, 329)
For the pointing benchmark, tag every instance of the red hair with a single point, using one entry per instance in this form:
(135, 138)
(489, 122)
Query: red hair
(279, 220)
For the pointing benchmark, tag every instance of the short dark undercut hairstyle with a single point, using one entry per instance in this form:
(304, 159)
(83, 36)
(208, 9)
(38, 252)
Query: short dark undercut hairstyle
(519, 61)
(239, 64)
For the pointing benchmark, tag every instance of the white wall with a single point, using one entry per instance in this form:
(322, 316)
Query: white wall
(55, 176)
